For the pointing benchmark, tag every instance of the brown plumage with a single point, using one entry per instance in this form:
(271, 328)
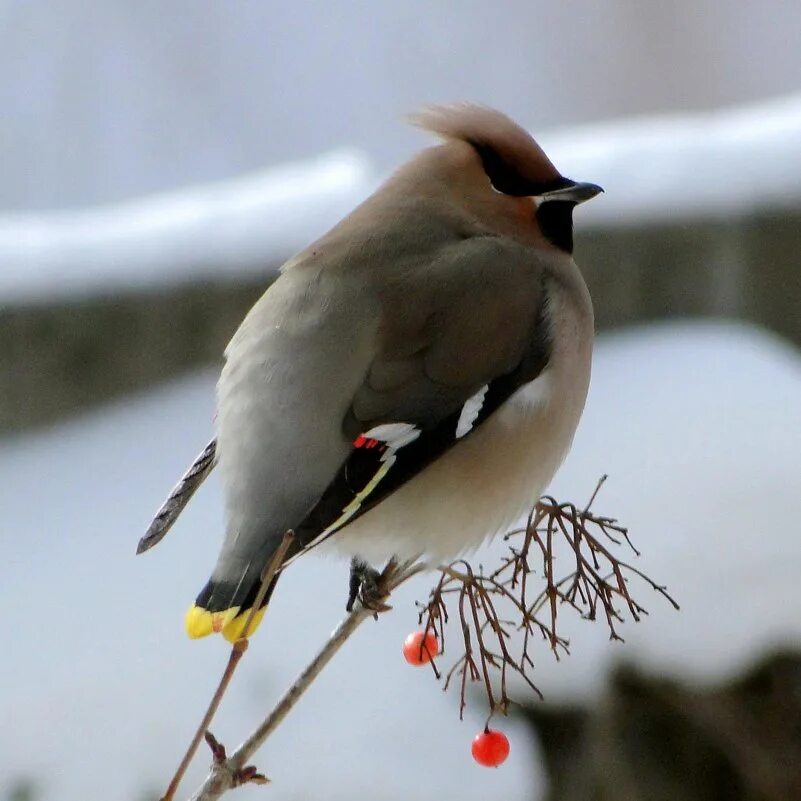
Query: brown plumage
(444, 322)
(483, 179)
(487, 129)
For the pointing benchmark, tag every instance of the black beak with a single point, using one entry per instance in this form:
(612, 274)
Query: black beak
(573, 193)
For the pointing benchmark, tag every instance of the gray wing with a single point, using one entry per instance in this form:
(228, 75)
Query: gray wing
(345, 381)
(456, 340)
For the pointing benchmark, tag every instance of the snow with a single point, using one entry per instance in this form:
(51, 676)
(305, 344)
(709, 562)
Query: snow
(103, 688)
(696, 425)
(665, 169)
(668, 168)
(216, 232)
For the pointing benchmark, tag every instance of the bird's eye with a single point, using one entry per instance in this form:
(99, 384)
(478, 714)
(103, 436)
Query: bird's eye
(555, 218)
(507, 178)
(502, 175)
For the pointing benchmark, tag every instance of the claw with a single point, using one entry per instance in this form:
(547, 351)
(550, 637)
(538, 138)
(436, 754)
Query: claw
(365, 585)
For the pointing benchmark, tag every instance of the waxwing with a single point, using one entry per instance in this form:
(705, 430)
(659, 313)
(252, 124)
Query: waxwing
(411, 382)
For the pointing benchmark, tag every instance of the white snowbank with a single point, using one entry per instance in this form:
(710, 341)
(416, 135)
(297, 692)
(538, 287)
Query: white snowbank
(672, 168)
(697, 426)
(249, 225)
(680, 166)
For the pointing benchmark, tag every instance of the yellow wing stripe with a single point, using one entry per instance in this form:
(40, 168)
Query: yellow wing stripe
(358, 499)
(349, 510)
(395, 436)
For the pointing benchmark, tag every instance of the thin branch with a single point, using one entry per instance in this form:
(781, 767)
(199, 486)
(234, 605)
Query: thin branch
(490, 607)
(595, 492)
(179, 498)
(238, 649)
(233, 771)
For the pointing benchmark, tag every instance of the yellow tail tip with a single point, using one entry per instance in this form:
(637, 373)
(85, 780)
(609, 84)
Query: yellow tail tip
(230, 622)
(235, 627)
(201, 622)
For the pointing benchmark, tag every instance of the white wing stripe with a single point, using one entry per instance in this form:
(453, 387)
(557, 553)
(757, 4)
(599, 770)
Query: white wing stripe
(470, 412)
(394, 436)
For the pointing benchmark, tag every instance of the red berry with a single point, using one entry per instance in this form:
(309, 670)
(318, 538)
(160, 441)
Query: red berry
(490, 748)
(420, 647)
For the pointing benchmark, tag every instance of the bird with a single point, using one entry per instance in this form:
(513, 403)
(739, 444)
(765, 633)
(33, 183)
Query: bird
(410, 383)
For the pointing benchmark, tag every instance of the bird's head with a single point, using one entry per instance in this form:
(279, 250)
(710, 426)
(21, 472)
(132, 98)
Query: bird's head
(496, 169)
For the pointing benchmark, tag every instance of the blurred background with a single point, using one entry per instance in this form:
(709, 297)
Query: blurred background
(160, 160)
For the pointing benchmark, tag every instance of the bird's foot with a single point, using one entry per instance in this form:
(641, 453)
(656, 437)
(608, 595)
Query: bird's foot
(365, 585)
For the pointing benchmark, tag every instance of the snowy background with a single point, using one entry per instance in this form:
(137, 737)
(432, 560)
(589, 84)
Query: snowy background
(697, 426)
(109, 99)
(258, 125)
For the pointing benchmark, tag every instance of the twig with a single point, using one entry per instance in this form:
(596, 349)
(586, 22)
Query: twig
(595, 492)
(238, 649)
(179, 498)
(228, 773)
(598, 581)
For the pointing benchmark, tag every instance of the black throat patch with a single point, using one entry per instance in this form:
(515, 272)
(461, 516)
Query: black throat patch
(555, 218)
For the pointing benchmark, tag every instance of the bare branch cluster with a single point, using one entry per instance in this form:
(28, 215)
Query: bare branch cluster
(501, 612)
(522, 596)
